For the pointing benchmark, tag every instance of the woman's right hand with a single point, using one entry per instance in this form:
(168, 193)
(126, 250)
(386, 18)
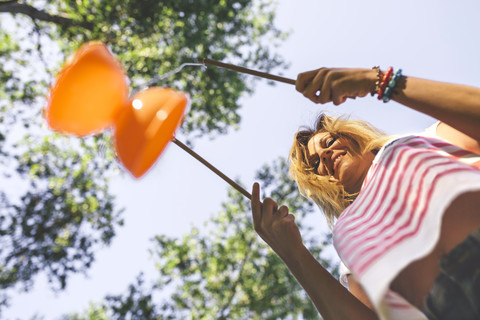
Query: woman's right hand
(336, 84)
(275, 225)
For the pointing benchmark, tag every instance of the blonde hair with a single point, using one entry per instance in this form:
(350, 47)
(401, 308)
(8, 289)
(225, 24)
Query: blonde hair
(329, 196)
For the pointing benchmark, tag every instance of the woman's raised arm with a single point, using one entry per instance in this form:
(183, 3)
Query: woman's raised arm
(276, 226)
(456, 105)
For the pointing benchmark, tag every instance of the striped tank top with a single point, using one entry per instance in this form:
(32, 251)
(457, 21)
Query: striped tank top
(396, 217)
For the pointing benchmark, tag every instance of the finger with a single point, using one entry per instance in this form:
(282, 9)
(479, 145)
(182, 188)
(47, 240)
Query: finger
(269, 207)
(290, 217)
(300, 83)
(325, 95)
(282, 211)
(312, 92)
(303, 79)
(338, 102)
(256, 204)
(338, 99)
(315, 87)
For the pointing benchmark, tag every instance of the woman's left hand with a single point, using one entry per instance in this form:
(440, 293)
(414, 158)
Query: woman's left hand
(276, 226)
(336, 85)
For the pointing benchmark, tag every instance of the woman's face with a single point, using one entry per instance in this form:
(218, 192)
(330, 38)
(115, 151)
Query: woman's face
(335, 158)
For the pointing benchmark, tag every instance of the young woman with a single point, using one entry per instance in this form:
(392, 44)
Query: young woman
(405, 211)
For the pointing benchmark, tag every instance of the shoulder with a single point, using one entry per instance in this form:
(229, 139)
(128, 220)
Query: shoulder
(443, 131)
(408, 141)
(407, 150)
(416, 142)
(457, 138)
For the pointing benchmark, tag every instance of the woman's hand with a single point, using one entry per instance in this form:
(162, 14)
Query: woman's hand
(275, 225)
(336, 85)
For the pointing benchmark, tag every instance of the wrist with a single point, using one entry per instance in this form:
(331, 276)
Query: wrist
(374, 77)
(294, 259)
(386, 83)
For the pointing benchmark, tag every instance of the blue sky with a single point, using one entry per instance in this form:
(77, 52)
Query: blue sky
(438, 40)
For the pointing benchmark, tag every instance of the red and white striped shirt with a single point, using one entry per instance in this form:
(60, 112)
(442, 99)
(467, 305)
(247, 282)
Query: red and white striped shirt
(397, 214)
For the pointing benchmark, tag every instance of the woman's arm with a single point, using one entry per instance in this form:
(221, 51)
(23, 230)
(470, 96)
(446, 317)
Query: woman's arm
(278, 229)
(458, 106)
(458, 138)
(357, 290)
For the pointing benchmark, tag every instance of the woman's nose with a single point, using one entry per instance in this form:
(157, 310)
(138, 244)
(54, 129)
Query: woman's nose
(323, 156)
(325, 153)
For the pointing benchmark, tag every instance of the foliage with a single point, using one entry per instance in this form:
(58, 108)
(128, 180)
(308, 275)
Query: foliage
(152, 37)
(58, 221)
(225, 271)
(59, 208)
(55, 205)
(136, 304)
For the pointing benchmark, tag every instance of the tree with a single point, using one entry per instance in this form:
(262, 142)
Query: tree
(61, 208)
(55, 204)
(225, 271)
(153, 37)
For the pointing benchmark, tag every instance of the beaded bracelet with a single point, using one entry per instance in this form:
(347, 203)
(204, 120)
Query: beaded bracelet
(391, 85)
(384, 83)
(377, 83)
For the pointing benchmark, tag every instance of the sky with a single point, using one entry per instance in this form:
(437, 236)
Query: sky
(438, 40)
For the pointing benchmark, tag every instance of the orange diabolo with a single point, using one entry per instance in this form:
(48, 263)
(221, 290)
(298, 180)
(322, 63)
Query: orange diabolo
(147, 125)
(91, 89)
(91, 95)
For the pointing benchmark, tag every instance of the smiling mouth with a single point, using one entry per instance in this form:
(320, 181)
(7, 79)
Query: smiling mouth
(337, 161)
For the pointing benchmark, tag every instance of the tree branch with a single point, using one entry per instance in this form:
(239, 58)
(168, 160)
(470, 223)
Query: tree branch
(236, 282)
(14, 7)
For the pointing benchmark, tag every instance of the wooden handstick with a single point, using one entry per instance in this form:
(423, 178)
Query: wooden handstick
(215, 170)
(245, 70)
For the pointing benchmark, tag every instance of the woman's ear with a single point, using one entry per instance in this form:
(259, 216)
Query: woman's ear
(332, 179)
